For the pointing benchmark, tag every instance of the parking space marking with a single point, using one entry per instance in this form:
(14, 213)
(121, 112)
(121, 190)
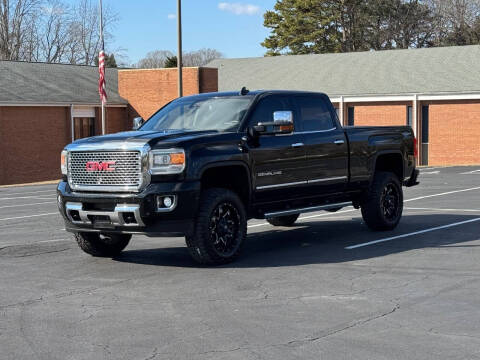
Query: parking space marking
(306, 217)
(445, 193)
(41, 203)
(470, 172)
(411, 234)
(32, 192)
(431, 172)
(27, 197)
(29, 216)
(437, 209)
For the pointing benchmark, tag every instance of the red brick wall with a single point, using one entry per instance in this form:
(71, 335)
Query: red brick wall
(378, 114)
(454, 133)
(116, 120)
(149, 89)
(31, 139)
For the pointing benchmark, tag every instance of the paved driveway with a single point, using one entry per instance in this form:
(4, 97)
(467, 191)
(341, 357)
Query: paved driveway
(326, 289)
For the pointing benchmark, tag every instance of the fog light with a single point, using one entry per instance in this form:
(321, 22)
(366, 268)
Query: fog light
(167, 201)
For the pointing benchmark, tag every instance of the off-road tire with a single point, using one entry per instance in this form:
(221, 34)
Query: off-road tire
(288, 220)
(203, 244)
(374, 205)
(102, 245)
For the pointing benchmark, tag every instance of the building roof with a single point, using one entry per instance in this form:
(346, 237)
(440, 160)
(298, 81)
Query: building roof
(443, 70)
(42, 83)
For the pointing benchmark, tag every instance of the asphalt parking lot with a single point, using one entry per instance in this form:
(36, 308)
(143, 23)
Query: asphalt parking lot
(327, 288)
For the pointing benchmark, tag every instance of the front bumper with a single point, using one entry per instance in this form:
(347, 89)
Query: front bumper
(130, 213)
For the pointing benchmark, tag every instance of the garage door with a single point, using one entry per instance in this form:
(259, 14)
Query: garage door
(454, 133)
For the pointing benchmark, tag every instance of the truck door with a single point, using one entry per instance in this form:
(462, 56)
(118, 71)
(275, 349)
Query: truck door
(325, 144)
(278, 161)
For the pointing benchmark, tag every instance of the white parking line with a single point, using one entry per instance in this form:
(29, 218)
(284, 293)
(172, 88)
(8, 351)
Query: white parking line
(41, 203)
(411, 234)
(470, 172)
(27, 197)
(436, 209)
(306, 217)
(431, 172)
(28, 216)
(31, 192)
(445, 193)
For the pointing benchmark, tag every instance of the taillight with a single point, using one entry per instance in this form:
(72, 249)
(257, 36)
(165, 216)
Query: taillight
(415, 147)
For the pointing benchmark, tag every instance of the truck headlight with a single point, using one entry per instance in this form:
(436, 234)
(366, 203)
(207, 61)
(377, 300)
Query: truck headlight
(63, 162)
(167, 161)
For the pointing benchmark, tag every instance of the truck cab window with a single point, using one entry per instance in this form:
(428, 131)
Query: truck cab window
(267, 106)
(315, 115)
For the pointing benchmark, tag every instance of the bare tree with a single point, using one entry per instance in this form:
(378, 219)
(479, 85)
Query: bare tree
(200, 57)
(54, 34)
(154, 59)
(455, 21)
(16, 18)
(85, 29)
(158, 58)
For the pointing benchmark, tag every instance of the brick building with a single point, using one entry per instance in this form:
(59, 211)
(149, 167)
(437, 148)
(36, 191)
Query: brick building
(43, 107)
(435, 90)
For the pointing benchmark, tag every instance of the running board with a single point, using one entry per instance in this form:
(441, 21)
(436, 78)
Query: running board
(306, 210)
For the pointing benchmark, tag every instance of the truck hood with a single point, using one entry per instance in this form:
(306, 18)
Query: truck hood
(128, 139)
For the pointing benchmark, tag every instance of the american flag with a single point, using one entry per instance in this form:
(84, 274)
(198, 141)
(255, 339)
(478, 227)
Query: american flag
(101, 81)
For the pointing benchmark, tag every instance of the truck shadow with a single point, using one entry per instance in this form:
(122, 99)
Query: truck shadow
(324, 241)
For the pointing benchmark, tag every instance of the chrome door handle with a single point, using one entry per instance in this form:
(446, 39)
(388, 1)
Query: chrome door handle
(297, 145)
(338, 142)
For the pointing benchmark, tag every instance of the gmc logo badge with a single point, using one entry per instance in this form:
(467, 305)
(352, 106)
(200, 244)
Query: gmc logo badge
(100, 166)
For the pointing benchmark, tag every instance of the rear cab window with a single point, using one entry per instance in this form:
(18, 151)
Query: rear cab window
(315, 114)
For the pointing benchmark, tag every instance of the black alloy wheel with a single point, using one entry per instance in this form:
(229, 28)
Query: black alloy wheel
(224, 227)
(390, 201)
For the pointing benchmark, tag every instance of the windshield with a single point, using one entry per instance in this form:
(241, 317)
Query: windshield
(222, 113)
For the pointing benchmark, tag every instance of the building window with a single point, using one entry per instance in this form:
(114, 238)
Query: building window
(84, 127)
(351, 116)
(410, 116)
(425, 135)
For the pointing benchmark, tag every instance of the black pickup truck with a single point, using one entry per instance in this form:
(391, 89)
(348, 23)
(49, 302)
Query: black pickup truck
(203, 165)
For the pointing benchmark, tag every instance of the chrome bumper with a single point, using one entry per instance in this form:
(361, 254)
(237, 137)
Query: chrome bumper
(122, 215)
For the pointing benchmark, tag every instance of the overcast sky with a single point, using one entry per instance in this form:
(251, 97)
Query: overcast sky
(234, 28)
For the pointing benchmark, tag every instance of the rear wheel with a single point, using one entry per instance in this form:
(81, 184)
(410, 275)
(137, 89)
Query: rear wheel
(105, 245)
(220, 228)
(383, 206)
(288, 220)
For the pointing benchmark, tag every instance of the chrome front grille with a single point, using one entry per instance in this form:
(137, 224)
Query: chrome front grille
(124, 172)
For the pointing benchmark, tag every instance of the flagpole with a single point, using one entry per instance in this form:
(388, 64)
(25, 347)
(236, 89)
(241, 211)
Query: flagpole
(179, 55)
(103, 49)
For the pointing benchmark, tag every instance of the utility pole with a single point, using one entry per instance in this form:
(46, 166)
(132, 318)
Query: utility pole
(179, 54)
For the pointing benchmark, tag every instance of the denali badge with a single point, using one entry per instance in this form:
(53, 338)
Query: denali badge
(270, 173)
(100, 166)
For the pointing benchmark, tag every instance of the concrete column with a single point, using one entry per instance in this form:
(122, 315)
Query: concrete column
(341, 111)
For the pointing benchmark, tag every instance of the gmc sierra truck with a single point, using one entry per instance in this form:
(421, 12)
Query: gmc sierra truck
(203, 165)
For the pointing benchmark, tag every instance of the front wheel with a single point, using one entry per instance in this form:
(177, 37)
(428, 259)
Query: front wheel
(104, 245)
(383, 206)
(220, 228)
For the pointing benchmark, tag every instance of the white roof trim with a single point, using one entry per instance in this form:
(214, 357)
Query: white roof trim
(397, 98)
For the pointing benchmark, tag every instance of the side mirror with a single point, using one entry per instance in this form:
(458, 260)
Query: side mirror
(282, 124)
(137, 122)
